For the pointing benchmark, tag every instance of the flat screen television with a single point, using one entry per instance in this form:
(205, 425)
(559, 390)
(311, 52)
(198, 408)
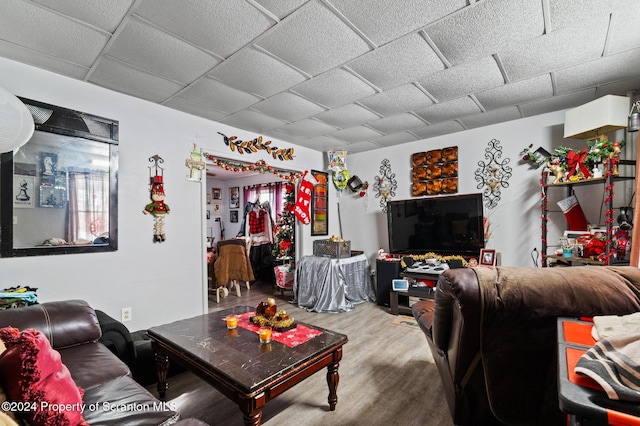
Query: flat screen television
(444, 225)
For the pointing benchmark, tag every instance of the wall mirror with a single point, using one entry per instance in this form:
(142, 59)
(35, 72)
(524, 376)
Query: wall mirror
(58, 192)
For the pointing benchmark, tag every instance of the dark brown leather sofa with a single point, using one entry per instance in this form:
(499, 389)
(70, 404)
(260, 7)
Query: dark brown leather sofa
(492, 334)
(73, 330)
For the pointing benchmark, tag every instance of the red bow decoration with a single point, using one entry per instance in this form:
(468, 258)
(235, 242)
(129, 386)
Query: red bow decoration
(575, 160)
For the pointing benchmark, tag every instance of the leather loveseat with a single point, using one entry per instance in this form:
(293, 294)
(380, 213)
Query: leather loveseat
(73, 330)
(492, 334)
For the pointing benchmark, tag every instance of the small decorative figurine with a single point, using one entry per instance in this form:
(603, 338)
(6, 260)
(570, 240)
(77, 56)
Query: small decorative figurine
(158, 209)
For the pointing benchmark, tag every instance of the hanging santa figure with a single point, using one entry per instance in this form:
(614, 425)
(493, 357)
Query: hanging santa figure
(157, 208)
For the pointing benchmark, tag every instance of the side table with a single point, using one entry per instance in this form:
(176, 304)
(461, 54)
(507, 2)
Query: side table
(580, 397)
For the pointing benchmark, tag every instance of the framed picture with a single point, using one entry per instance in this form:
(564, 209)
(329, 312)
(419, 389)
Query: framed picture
(217, 207)
(234, 197)
(320, 204)
(216, 193)
(24, 191)
(233, 216)
(487, 257)
(53, 196)
(208, 214)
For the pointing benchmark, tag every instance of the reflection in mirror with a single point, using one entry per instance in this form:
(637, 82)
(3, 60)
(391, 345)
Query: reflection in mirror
(59, 191)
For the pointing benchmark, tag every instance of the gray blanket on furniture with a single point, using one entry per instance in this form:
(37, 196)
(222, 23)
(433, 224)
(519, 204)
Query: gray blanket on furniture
(518, 340)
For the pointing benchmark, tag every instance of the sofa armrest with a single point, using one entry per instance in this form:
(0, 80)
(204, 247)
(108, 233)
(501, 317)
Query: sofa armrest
(65, 323)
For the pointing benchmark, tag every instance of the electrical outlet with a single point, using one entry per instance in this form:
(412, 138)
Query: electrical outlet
(126, 314)
(15, 220)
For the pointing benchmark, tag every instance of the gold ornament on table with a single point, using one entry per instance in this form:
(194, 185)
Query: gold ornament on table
(268, 314)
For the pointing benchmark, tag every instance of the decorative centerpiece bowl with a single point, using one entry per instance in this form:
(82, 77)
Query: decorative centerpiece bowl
(268, 314)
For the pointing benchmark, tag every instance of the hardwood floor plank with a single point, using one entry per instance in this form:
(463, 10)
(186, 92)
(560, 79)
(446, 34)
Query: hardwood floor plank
(387, 374)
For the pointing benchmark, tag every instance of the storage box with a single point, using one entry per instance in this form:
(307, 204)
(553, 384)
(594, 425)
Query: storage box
(335, 249)
(284, 276)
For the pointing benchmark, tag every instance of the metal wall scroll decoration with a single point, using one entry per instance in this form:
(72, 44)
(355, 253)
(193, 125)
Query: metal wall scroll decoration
(385, 185)
(493, 175)
(249, 147)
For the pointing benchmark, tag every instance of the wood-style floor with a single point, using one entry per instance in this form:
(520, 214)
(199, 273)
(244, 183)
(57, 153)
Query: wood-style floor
(387, 375)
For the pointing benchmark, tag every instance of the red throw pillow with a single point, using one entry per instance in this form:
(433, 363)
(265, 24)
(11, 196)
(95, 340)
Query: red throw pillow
(31, 372)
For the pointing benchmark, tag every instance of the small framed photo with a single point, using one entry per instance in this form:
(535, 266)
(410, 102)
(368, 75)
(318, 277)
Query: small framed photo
(217, 207)
(216, 193)
(208, 214)
(487, 257)
(233, 216)
(234, 197)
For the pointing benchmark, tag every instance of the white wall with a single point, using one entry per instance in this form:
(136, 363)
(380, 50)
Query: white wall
(515, 221)
(161, 282)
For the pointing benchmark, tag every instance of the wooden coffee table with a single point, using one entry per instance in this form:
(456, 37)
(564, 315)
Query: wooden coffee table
(238, 365)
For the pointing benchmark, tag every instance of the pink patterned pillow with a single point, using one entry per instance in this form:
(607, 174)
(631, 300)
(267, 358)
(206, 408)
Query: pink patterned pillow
(31, 371)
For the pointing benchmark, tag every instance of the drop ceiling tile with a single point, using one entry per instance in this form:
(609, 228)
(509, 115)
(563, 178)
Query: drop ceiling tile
(194, 109)
(281, 8)
(491, 117)
(559, 49)
(396, 123)
(448, 110)
(356, 134)
(307, 128)
(213, 94)
(155, 51)
(102, 14)
(46, 62)
(618, 88)
(323, 143)
(124, 79)
(438, 129)
(570, 100)
(620, 66)
(566, 13)
(516, 93)
(463, 79)
(620, 36)
(287, 106)
(314, 40)
(399, 17)
(395, 139)
(253, 120)
(21, 23)
(347, 116)
(399, 62)
(262, 74)
(363, 146)
(334, 88)
(395, 101)
(486, 27)
(221, 26)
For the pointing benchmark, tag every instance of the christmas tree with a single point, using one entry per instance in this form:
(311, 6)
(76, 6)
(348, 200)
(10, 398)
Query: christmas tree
(284, 242)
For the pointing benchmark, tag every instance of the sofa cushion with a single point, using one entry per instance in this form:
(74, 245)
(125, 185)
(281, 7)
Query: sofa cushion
(92, 364)
(122, 401)
(33, 373)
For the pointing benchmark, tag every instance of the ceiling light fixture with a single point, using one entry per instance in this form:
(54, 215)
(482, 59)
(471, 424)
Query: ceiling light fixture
(595, 119)
(16, 122)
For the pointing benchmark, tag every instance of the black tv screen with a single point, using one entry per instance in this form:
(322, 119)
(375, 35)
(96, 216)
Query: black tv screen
(444, 225)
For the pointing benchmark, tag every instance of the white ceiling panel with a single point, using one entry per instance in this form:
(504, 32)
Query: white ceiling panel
(221, 26)
(289, 107)
(449, 110)
(347, 116)
(213, 94)
(261, 74)
(463, 79)
(334, 73)
(516, 93)
(399, 62)
(314, 40)
(399, 17)
(486, 27)
(155, 51)
(400, 99)
(334, 88)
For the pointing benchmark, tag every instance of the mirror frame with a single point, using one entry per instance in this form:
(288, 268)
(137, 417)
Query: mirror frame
(109, 135)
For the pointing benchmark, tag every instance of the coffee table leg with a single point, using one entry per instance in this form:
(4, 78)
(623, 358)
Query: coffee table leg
(333, 378)
(162, 367)
(252, 409)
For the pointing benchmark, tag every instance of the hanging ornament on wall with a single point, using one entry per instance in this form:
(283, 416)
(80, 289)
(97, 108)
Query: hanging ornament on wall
(493, 175)
(385, 185)
(337, 160)
(249, 147)
(340, 179)
(195, 165)
(157, 207)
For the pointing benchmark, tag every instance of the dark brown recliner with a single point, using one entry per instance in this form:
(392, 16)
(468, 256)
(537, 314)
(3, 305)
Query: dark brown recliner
(492, 334)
